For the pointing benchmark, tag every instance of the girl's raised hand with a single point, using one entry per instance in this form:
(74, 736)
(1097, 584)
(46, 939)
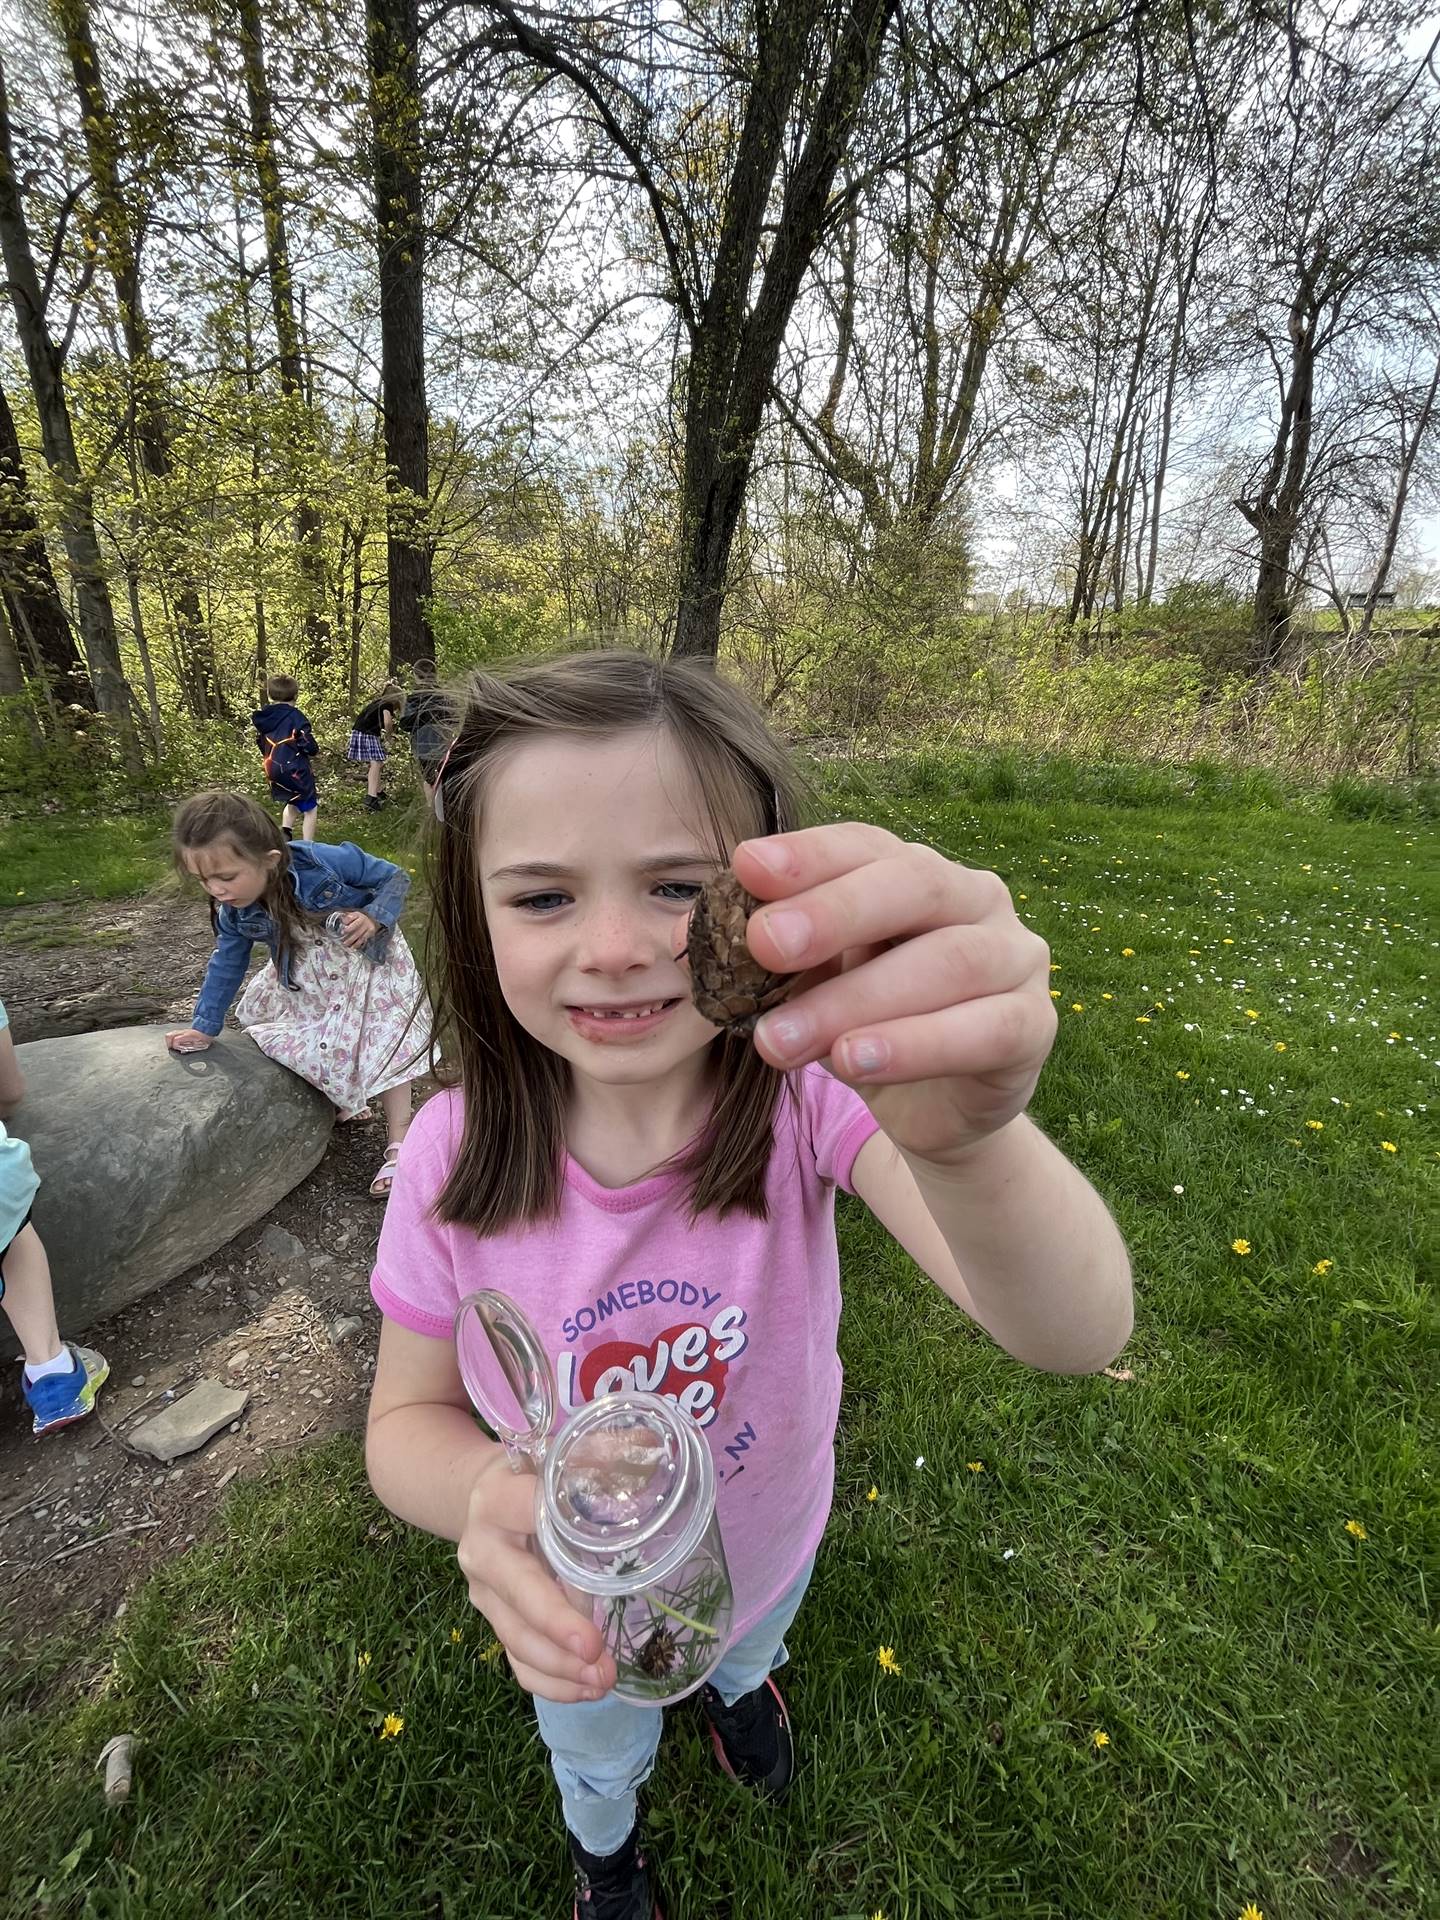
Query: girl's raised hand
(553, 1651)
(921, 987)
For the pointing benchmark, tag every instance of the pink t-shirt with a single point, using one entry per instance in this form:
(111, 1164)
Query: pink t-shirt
(735, 1318)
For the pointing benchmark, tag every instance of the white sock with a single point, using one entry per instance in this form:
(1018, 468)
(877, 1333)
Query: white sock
(64, 1362)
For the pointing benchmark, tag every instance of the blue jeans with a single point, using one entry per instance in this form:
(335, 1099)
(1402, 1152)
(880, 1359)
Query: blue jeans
(602, 1750)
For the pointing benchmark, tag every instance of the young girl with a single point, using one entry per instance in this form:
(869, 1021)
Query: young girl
(372, 726)
(659, 1196)
(343, 1008)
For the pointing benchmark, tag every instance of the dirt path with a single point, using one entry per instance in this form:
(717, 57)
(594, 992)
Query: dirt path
(82, 1514)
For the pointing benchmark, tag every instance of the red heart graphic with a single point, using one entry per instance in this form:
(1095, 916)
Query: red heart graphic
(674, 1380)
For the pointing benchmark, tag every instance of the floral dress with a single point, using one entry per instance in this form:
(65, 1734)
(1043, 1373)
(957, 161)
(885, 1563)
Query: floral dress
(350, 1026)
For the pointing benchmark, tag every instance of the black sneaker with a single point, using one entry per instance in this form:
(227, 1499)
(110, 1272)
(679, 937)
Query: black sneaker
(752, 1739)
(615, 1886)
(287, 833)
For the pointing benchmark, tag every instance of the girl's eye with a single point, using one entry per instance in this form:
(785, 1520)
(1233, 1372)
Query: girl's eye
(681, 889)
(542, 902)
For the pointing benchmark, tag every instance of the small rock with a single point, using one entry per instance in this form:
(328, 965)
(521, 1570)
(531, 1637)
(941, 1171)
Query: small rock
(201, 1282)
(138, 1380)
(279, 1247)
(226, 1477)
(322, 1260)
(238, 1359)
(191, 1421)
(342, 1328)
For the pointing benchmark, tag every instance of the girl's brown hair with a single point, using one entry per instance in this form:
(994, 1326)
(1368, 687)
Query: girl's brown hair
(216, 815)
(509, 1168)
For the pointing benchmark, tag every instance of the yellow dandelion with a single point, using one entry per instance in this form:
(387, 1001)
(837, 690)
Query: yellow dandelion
(1354, 1526)
(1227, 942)
(975, 1466)
(1394, 1036)
(455, 1636)
(1099, 1738)
(1251, 1014)
(1181, 1074)
(1054, 993)
(1142, 1019)
(362, 1660)
(1240, 1246)
(1194, 953)
(1077, 1006)
(1127, 953)
(490, 1653)
(1280, 1046)
(1322, 1266)
(873, 1494)
(1251, 1912)
(1388, 1146)
(392, 1726)
(1316, 1126)
(1054, 966)
(1107, 996)
(886, 1657)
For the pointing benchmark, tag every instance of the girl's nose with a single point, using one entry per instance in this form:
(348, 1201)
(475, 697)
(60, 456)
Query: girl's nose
(614, 940)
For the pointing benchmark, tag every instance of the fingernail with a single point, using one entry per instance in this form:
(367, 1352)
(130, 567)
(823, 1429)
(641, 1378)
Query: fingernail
(866, 1055)
(789, 929)
(785, 1033)
(591, 1676)
(773, 855)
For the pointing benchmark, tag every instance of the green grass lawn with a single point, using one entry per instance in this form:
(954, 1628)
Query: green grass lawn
(1226, 1566)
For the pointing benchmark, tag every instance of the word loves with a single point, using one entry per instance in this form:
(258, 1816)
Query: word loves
(688, 1363)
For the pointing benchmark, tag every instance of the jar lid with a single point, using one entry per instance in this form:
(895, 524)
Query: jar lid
(629, 1491)
(506, 1372)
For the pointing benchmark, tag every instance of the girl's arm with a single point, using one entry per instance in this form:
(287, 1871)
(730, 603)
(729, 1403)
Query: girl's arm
(920, 988)
(1017, 1237)
(12, 1080)
(387, 883)
(223, 974)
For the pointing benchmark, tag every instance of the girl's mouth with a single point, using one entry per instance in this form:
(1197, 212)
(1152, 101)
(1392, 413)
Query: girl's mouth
(619, 1023)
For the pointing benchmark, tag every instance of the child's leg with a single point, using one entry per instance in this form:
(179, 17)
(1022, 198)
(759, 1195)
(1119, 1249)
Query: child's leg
(395, 1105)
(307, 821)
(749, 1662)
(289, 817)
(374, 777)
(28, 1301)
(602, 1752)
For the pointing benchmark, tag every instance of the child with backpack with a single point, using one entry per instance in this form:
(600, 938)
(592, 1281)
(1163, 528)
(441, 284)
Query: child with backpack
(287, 746)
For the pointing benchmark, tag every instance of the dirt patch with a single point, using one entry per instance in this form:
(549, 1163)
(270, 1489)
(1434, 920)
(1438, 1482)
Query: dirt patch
(83, 1514)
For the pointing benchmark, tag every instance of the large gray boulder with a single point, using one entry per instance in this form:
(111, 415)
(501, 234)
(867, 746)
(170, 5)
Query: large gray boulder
(149, 1160)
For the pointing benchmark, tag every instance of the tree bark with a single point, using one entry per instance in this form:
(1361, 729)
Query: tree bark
(733, 351)
(1409, 448)
(116, 242)
(38, 620)
(1273, 506)
(309, 530)
(394, 37)
(44, 363)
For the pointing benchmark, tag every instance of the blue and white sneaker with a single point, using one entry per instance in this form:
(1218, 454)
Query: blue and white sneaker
(60, 1399)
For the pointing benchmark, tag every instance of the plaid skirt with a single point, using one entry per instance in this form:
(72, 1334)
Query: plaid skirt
(365, 746)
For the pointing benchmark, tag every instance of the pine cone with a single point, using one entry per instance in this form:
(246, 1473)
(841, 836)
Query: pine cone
(727, 983)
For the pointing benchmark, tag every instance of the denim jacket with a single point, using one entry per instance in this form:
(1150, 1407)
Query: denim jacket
(326, 880)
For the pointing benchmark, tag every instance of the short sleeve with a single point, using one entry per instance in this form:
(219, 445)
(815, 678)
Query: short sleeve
(414, 1281)
(837, 1123)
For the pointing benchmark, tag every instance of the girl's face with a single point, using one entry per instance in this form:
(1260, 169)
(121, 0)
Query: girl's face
(231, 878)
(591, 854)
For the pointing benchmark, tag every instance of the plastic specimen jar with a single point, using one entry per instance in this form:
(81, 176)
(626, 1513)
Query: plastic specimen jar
(625, 1509)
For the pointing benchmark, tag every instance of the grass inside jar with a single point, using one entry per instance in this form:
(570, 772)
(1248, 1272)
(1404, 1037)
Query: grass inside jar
(663, 1642)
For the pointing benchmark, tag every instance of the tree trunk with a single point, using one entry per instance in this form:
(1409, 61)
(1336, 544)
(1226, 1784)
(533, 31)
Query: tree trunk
(1409, 448)
(734, 347)
(43, 360)
(111, 229)
(38, 620)
(309, 532)
(1273, 506)
(394, 36)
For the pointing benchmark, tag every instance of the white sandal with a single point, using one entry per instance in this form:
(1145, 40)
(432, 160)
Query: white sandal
(385, 1178)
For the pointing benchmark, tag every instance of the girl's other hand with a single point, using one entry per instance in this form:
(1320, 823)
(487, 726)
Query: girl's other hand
(553, 1650)
(920, 985)
(359, 928)
(188, 1040)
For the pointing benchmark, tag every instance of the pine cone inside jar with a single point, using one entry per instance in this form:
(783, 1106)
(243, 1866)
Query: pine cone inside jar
(727, 983)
